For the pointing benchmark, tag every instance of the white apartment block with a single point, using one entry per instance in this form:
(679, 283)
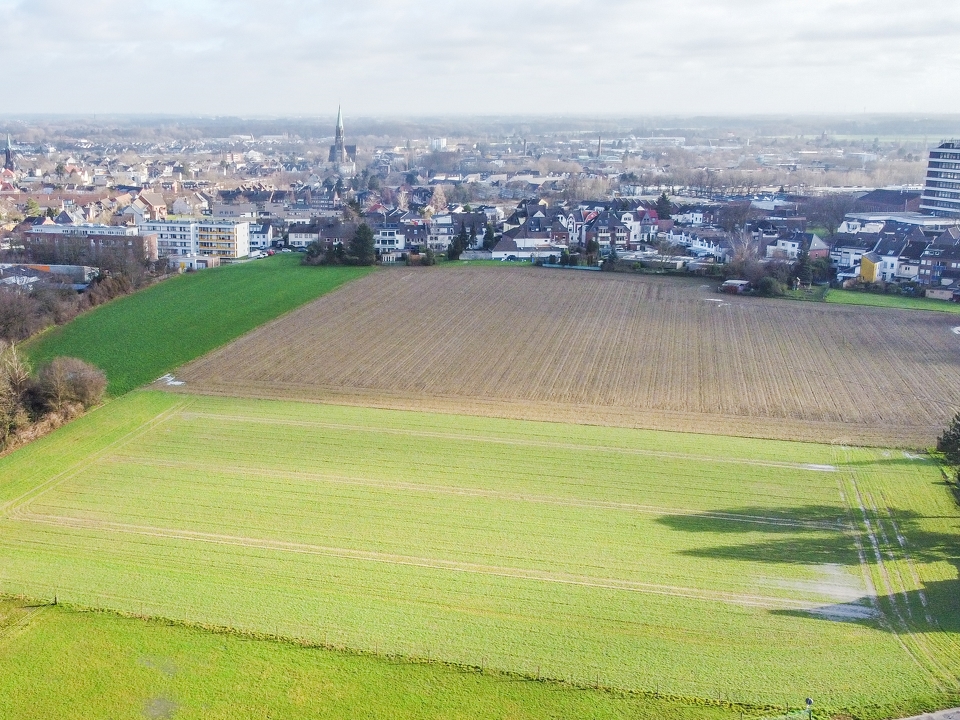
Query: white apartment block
(192, 237)
(86, 229)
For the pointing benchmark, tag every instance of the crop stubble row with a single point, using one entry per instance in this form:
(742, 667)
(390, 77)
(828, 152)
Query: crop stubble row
(634, 351)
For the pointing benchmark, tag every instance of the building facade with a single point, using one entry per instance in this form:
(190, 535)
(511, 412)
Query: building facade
(941, 192)
(191, 237)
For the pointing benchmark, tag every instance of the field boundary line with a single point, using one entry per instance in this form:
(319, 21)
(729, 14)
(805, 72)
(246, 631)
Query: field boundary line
(70, 472)
(739, 599)
(351, 481)
(812, 467)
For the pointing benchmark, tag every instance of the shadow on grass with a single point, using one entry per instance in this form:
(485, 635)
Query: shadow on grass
(821, 535)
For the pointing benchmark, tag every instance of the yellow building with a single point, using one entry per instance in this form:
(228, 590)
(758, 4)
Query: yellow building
(870, 267)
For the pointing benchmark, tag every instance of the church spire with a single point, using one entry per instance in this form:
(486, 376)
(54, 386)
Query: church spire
(339, 151)
(8, 163)
(343, 156)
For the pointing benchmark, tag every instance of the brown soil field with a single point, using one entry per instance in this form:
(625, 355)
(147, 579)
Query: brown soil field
(598, 348)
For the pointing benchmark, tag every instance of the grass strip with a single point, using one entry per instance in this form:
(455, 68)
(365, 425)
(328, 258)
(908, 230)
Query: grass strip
(852, 297)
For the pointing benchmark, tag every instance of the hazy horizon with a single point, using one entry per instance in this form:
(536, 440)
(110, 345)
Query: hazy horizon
(577, 58)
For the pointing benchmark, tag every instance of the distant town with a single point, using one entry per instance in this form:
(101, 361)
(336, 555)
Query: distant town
(795, 211)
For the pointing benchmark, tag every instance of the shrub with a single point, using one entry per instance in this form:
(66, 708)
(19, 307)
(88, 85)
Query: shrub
(68, 380)
(770, 287)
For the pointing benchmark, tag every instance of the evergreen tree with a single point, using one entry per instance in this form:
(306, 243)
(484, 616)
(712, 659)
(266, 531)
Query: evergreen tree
(664, 207)
(593, 248)
(489, 239)
(459, 244)
(362, 249)
(802, 268)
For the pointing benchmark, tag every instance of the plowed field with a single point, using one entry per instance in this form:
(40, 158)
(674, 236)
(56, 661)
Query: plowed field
(606, 349)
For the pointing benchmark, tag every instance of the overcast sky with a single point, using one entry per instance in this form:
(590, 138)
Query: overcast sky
(491, 57)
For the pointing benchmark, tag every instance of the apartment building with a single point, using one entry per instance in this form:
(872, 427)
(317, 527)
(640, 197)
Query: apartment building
(193, 237)
(941, 192)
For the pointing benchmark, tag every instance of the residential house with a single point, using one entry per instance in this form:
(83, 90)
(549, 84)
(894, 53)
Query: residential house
(870, 264)
(790, 247)
(193, 204)
(234, 211)
(300, 235)
(388, 243)
(703, 242)
(530, 240)
(940, 262)
(847, 251)
(899, 256)
(261, 236)
(148, 205)
(441, 232)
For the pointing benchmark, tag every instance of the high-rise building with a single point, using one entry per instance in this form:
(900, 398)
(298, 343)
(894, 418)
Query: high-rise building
(941, 193)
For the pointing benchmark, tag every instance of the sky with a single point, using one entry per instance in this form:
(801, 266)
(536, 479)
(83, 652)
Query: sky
(395, 58)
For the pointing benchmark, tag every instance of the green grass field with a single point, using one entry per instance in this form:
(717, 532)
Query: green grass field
(123, 668)
(852, 297)
(760, 572)
(137, 338)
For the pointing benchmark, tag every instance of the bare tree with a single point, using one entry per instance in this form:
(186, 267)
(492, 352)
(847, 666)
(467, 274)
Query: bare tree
(665, 249)
(734, 216)
(829, 211)
(14, 385)
(14, 369)
(438, 201)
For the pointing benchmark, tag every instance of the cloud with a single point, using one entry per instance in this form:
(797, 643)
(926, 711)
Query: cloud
(491, 56)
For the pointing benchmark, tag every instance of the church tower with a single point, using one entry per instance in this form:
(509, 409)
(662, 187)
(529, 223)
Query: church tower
(342, 156)
(339, 151)
(8, 163)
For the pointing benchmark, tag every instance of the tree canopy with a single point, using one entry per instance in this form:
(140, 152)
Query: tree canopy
(949, 442)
